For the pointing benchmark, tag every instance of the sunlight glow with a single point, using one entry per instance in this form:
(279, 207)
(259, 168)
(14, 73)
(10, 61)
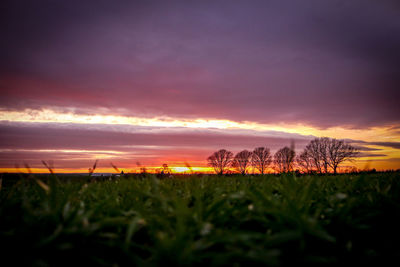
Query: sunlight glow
(389, 158)
(151, 170)
(381, 134)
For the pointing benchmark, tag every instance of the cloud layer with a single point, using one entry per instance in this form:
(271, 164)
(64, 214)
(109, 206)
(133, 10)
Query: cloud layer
(312, 62)
(75, 146)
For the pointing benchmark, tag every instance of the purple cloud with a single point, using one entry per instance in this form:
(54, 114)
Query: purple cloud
(312, 62)
(77, 147)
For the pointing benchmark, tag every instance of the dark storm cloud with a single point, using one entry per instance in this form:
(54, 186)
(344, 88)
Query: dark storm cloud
(318, 62)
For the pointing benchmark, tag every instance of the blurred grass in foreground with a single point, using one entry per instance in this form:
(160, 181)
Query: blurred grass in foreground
(207, 220)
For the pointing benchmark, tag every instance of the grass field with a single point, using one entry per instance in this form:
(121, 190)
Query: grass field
(201, 220)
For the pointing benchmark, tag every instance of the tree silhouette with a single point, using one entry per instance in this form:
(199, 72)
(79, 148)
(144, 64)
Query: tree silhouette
(284, 159)
(242, 161)
(326, 152)
(316, 154)
(220, 161)
(261, 158)
(304, 161)
(323, 146)
(339, 151)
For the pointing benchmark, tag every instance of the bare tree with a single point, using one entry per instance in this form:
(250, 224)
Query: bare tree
(261, 159)
(242, 161)
(220, 161)
(326, 152)
(323, 151)
(304, 161)
(284, 159)
(316, 155)
(339, 151)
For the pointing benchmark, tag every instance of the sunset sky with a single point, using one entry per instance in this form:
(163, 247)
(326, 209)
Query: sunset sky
(173, 81)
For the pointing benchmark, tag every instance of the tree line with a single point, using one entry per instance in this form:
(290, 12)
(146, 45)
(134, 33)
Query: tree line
(321, 155)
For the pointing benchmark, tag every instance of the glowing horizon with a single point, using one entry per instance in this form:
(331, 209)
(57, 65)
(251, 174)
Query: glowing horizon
(382, 133)
(370, 138)
(178, 169)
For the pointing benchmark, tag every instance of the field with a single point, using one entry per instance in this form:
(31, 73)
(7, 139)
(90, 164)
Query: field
(200, 220)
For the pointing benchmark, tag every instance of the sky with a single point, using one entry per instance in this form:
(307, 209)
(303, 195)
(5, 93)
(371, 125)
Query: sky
(142, 83)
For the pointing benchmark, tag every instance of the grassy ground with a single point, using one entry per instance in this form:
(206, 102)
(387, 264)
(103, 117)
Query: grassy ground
(209, 220)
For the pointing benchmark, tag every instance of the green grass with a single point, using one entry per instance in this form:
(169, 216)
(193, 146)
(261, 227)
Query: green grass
(208, 220)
